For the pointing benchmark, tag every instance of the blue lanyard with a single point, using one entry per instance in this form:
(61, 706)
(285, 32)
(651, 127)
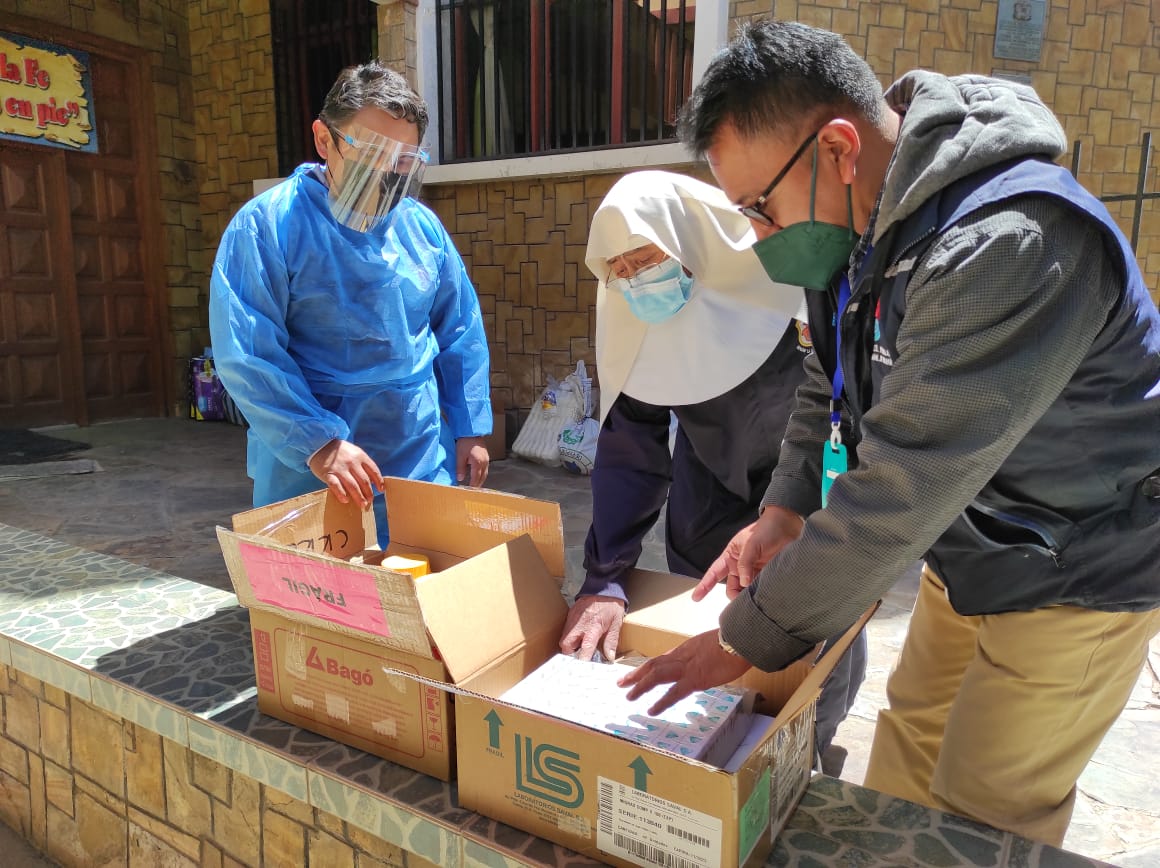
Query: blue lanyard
(839, 378)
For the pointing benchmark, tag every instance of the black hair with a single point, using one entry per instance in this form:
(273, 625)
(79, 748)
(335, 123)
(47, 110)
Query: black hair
(774, 77)
(374, 85)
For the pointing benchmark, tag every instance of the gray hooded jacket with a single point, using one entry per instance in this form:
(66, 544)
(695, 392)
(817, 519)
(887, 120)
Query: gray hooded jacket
(999, 312)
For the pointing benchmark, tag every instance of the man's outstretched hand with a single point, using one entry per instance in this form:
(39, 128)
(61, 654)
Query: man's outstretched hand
(696, 664)
(751, 549)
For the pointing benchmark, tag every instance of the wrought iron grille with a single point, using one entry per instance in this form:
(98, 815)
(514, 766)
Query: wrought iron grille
(521, 77)
(313, 40)
(1137, 198)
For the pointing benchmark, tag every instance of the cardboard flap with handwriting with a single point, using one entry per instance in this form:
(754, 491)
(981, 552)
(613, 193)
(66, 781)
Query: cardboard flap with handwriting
(312, 523)
(464, 521)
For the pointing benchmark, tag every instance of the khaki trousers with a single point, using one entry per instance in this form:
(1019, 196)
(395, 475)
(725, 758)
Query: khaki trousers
(994, 717)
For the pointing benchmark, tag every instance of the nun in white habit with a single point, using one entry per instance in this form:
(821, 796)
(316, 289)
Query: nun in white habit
(687, 323)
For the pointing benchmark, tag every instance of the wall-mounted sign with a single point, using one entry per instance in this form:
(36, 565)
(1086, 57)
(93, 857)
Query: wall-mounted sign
(1019, 29)
(46, 94)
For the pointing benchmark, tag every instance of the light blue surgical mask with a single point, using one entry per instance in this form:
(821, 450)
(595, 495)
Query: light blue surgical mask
(655, 293)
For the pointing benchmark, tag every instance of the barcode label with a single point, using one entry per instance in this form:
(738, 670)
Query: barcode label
(689, 836)
(653, 855)
(648, 830)
(604, 811)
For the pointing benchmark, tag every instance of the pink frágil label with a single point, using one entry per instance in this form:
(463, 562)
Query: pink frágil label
(329, 591)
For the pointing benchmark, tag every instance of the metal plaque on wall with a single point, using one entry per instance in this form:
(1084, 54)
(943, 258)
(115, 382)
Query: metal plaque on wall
(1019, 29)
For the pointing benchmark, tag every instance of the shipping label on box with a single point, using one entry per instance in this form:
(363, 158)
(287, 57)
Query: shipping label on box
(633, 824)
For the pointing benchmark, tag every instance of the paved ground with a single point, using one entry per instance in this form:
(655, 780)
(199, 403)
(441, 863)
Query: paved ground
(164, 484)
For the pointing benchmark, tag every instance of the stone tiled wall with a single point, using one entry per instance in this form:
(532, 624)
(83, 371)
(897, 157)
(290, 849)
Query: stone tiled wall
(397, 36)
(235, 136)
(160, 29)
(523, 243)
(1099, 70)
(89, 788)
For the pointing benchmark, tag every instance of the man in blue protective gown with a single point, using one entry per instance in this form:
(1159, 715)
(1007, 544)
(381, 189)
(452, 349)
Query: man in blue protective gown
(342, 319)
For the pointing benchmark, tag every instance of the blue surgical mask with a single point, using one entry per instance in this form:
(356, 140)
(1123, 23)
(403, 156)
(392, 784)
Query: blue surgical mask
(655, 293)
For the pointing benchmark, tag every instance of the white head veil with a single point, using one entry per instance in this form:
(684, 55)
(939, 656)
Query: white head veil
(735, 314)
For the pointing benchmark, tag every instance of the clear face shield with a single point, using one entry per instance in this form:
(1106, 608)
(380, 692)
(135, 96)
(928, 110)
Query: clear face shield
(377, 172)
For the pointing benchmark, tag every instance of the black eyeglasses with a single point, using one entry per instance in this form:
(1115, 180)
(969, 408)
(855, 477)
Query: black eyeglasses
(754, 211)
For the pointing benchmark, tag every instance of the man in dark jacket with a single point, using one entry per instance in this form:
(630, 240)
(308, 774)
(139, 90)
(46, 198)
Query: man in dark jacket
(990, 397)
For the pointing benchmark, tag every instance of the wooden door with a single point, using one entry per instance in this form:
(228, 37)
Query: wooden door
(39, 346)
(116, 303)
(80, 274)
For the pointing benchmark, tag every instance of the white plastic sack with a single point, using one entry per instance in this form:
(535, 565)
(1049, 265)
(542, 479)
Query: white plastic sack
(538, 439)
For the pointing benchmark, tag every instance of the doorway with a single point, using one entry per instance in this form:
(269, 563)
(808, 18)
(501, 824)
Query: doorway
(82, 288)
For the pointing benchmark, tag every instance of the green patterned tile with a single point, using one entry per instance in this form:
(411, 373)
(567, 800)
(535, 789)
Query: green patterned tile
(252, 760)
(490, 842)
(391, 822)
(477, 855)
(143, 710)
(51, 670)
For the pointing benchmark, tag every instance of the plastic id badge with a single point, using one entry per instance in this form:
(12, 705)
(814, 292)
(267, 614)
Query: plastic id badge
(833, 465)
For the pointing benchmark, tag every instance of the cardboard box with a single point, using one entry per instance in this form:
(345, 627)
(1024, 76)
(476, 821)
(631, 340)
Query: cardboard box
(629, 804)
(325, 628)
(707, 725)
(496, 441)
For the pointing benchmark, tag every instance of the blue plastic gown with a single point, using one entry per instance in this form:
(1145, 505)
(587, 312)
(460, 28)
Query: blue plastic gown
(320, 332)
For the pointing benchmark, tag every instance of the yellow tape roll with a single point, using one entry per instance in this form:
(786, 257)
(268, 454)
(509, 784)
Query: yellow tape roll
(414, 564)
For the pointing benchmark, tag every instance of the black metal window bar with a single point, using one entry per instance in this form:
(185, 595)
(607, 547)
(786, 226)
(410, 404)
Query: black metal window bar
(522, 77)
(313, 40)
(1139, 197)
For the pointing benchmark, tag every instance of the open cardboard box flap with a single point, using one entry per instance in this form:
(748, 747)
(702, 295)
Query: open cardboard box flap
(809, 689)
(463, 521)
(663, 614)
(355, 599)
(480, 610)
(312, 523)
(503, 558)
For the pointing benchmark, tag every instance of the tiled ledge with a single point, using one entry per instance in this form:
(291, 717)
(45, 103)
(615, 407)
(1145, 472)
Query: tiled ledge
(174, 657)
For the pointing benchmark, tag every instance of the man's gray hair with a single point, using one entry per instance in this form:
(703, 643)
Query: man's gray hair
(777, 77)
(373, 85)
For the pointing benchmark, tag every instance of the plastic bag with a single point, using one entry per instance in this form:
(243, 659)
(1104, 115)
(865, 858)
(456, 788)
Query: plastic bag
(205, 389)
(538, 439)
(578, 445)
(577, 440)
